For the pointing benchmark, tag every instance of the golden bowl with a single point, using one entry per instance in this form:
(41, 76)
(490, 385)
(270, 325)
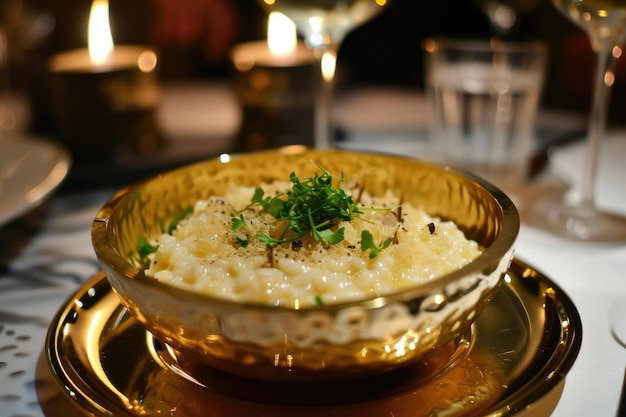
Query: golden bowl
(266, 342)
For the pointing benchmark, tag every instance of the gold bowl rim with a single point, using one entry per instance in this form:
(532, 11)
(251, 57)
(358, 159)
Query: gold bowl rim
(503, 243)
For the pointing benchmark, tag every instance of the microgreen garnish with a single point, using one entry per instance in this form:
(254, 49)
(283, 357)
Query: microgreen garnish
(243, 241)
(312, 206)
(182, 215)
(318, 300)
(367, 243)
(238, 222)
(145, 249)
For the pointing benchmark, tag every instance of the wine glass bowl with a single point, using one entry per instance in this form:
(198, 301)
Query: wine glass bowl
(504, 15)
(324, 24)
(605, 24)
(603, 20)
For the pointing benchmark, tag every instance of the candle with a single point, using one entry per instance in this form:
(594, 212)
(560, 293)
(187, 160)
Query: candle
(106, 95)
(126, 57)
(274, 81)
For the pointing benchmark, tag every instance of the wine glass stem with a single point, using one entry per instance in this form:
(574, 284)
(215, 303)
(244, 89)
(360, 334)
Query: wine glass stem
(324, 122)
(603, 80)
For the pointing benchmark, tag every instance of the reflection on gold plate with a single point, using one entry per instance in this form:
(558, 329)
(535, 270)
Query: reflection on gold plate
(99, 361)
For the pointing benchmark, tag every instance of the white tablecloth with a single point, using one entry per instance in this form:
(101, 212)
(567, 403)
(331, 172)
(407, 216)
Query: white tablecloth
(594, 276)
(47, 254)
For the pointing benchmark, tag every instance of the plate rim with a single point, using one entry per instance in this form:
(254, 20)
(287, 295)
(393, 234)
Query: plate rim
(50, 182)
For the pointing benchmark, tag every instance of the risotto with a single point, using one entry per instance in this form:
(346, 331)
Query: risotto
(386, 245)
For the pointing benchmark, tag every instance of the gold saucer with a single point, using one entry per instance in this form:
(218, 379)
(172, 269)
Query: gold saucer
(98, 361)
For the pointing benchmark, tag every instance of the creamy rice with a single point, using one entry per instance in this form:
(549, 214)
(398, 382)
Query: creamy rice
(205, 255)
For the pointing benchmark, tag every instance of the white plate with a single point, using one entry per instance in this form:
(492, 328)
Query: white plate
(30, 169)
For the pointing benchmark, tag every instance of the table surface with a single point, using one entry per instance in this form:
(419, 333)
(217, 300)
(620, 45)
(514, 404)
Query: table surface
(47, 254)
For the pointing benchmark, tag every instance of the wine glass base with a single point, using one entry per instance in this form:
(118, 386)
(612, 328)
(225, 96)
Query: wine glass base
(617, 320)
(580, 222)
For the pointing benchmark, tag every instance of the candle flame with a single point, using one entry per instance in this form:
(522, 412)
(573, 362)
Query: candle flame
(100, 39)
(281, 34)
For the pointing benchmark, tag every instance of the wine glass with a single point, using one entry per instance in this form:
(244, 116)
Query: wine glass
(605, 23)
(504, 15)
(324, 24)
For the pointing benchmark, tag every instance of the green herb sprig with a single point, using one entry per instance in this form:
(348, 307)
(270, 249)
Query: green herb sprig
(367, 243)
(312, 206)
(145, 248)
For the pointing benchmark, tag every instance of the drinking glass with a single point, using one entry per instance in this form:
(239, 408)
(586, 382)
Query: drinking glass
(324, 24)
(605, 23)
(484, 95)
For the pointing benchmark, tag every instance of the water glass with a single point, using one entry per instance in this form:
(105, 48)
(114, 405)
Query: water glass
(484, 97)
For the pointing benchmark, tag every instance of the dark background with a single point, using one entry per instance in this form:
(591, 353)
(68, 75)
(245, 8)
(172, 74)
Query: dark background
(386, 50)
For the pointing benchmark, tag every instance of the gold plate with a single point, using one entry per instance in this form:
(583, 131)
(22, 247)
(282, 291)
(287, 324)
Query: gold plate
(99, 361)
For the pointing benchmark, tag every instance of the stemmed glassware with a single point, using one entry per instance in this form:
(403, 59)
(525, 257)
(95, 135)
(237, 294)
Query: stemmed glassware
(504, 15)
(605, 23)
(324, 24)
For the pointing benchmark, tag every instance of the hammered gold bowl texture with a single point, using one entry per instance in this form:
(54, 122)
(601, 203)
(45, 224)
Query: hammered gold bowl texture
(283, 344)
